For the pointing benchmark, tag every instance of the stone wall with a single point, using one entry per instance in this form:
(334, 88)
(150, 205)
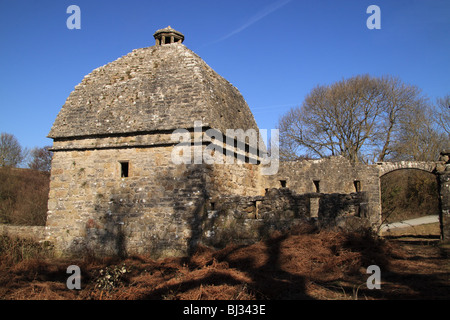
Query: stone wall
(444, 180)
(159, 208)
(234, 179)
(245, 220)
(93, 209)
(444, 192)
(165, 209)
(331, 175)
(36, 233)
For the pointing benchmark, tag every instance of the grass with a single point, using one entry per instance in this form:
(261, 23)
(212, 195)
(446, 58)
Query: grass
(297, 265)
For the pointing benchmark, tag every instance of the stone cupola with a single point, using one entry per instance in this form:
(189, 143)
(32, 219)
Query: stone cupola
(167, 36)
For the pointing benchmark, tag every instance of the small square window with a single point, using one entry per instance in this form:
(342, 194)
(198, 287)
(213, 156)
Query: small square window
(124, 169)
(283, 183)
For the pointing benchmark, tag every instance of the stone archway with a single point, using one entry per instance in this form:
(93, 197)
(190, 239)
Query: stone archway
(410, 197)
(386, 167)
(441, 169)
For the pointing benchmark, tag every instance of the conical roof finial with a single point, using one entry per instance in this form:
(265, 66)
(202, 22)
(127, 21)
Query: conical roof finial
(168, 35)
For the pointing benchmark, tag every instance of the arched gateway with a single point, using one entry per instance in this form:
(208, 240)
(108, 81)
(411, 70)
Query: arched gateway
(441, 169)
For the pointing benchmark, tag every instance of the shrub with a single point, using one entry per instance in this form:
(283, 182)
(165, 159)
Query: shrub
(111, 278)
(23, 196)
(15, 250)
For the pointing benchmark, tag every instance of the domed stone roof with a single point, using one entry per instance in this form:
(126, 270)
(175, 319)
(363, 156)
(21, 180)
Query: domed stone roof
(158, 88)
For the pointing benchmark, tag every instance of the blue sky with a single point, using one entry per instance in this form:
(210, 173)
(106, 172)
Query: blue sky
(273, 51)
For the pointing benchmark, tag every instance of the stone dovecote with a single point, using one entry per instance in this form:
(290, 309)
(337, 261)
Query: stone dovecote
(114, 189)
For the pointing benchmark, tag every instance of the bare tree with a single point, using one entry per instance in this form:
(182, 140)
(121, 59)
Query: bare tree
(357, 118)
(419, 137)
(41, 159)
(443, 113)
(423, 132)
(11, 152)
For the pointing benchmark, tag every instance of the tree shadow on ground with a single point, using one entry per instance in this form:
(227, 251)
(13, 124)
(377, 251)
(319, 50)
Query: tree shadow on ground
(267, 280)
(415, 274)
(270, 279)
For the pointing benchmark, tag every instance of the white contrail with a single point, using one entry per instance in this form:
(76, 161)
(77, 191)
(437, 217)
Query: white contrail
(258, 16)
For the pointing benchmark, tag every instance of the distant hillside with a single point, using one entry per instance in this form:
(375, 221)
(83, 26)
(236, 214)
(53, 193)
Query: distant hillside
(407, 194)
(23, 196)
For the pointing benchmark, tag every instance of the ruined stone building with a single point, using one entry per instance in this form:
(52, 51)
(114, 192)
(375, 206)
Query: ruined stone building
(116, 190)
